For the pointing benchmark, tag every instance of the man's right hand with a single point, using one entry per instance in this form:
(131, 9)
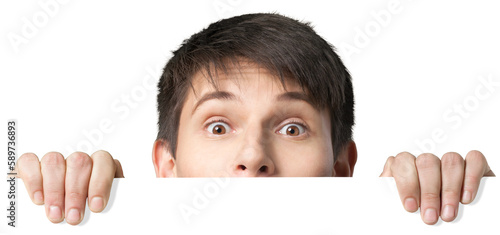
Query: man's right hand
(64, 185)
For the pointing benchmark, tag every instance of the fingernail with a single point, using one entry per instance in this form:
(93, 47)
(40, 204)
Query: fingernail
(411, 204)
(73, 216)
(449, 212)
(430, 216)
(96, 204)
(467, 197)
(55, 213)
(38, 197)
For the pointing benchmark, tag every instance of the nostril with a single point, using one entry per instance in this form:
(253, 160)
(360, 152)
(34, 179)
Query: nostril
(242, 167)
(263, 169)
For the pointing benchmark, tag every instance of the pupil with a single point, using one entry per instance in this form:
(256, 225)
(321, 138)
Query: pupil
(291, 130)
(219, 130)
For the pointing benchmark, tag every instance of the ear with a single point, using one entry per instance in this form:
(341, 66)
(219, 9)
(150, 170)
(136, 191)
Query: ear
(344, 166)
(163, 161)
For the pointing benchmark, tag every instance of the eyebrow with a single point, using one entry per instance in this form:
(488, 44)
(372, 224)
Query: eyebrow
(224, 95)
(216, 95)
(294, 96)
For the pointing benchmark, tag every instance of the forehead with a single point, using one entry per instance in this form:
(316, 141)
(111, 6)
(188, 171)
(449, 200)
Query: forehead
(240, 78)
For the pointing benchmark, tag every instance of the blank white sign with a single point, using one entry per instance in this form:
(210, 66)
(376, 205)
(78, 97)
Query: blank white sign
(267, 206)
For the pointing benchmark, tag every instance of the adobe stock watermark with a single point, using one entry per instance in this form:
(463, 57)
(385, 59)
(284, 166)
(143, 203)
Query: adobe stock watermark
(203, 197)
(122, 107)
(224, 7)
(31, 25)
(365, 34)
(459, 112)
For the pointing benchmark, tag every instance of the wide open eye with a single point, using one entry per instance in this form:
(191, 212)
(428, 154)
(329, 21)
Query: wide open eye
(292, 130)
(218, 128)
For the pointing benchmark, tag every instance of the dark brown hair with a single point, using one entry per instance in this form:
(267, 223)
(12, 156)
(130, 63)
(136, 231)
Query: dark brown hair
(284, 46)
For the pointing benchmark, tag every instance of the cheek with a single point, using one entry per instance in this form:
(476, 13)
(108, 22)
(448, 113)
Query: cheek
(189, 155)
(314, 158)
(201, 158)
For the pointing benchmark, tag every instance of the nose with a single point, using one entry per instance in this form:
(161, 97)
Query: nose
(253, 159)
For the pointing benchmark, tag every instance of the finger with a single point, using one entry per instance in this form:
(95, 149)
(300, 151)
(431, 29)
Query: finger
(103, 172)
(452, 173)
(119, 170)
(28, 167)
(429, 175)
(387, 167)
(406, 177)
(79, 166)
(475, 168)
(53, 171)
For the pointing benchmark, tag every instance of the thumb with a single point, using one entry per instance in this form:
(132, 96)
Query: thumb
(119, 169)
(387, 167)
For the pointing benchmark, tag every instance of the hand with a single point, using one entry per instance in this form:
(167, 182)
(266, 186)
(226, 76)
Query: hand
(437, 186)
(64, 185)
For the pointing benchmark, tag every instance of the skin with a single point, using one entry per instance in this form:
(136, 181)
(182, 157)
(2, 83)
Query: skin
(253, 122)
(246, 135)
(437, 185)
(64, 185)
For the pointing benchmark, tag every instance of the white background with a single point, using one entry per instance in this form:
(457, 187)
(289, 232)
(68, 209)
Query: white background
(413, 62)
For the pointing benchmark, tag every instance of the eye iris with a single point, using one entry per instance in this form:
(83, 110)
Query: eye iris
(219, 129)
(292, 130)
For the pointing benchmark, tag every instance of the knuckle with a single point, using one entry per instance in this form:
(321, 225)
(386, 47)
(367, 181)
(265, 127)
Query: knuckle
(75, 196)
(403, 158)
(102, 155)
(405, 155)
(103, 158)
(403, 163)
(430, 197)
(53, 194)
(34, 184)
(452, 160)
(472, 179)
(475, 156)
(401, 166)
(451, 193)
(31, 177)
(27, 158)
(427, 160)
(103, 152)
(407, 186)
(53, 159)
(78, 160)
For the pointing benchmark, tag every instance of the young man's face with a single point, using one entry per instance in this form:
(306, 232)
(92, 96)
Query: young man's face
(251, 126)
